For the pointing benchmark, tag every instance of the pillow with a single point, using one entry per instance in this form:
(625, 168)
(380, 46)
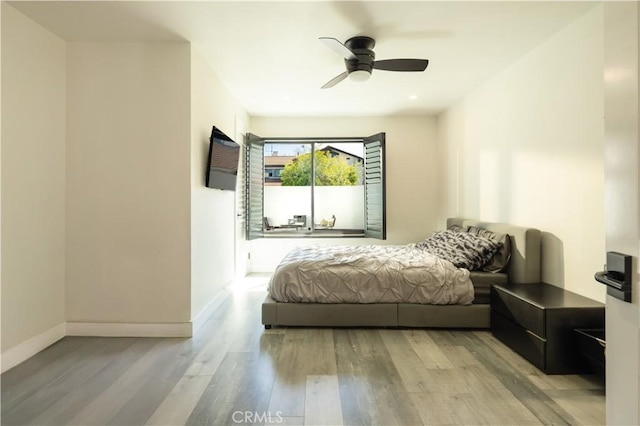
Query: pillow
(457, 228)
(463, 249)
(500, 259)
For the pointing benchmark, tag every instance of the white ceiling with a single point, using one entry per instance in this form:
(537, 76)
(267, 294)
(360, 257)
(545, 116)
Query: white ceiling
(268, 54)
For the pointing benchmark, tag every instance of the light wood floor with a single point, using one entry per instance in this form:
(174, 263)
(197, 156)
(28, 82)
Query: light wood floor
(235, 372)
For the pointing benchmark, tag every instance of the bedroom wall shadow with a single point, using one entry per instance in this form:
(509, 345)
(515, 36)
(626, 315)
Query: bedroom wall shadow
(552, 259)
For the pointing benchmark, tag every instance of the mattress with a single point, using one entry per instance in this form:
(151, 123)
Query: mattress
(369, 274)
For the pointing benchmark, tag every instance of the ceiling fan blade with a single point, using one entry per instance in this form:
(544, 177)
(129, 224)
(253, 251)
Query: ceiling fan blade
(401, 64)
(338, 47)
(335, 80)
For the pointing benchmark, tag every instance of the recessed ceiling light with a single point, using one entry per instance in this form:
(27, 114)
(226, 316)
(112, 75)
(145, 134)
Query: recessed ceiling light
(285, 98)
(413, 97)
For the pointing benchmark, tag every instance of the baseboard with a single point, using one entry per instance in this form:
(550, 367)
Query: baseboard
(32, 346)
(25, 350)
(198, 321)
(181, 329)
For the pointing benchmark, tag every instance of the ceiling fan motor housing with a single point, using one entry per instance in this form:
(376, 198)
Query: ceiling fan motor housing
(361, 47)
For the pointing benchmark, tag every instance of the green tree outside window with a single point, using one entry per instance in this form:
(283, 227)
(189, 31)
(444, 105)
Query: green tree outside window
(330, 171)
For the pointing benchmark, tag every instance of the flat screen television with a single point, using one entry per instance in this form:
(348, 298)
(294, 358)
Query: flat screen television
(222, 164)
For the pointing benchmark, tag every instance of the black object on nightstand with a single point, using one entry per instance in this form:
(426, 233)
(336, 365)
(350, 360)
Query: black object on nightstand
(538, 320)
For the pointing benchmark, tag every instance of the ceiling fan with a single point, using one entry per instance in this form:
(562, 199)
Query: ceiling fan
(360, 60)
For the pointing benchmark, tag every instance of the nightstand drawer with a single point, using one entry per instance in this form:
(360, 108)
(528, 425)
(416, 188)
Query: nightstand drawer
(520, 311)
(524, 342)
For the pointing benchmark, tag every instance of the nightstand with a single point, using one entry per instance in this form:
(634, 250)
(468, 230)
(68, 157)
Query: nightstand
(537, 321)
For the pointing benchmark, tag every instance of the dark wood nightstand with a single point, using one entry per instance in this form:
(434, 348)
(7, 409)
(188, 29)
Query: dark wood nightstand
(537, 320)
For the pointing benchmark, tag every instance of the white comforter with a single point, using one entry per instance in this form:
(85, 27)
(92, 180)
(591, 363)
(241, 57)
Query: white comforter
(369, 274)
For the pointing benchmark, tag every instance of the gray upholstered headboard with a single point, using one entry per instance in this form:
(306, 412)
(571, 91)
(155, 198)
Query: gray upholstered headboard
(524, 266)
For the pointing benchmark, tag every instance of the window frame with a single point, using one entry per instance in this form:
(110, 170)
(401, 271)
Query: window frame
(374, 182)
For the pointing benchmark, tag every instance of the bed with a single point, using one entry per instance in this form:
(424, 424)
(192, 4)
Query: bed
(399, 308)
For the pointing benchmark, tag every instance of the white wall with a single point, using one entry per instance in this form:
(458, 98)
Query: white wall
(412, 177)
(128, 180)
(526, 148)
(105, 217)
(33, 184)
(213, 211)
(622, 204)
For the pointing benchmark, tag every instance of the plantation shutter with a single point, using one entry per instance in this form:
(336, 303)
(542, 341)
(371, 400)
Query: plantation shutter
(241, 196)
(254, 186)
(374, 187)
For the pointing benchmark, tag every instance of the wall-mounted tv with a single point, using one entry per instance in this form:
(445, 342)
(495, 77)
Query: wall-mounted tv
(222, 165)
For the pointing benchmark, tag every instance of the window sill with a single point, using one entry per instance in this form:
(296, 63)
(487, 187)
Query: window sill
(318, 233)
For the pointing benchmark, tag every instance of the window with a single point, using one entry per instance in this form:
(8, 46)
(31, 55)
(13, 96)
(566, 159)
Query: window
(315, 187)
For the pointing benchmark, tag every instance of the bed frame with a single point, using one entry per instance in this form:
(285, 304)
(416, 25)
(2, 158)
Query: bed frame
(524, 267)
